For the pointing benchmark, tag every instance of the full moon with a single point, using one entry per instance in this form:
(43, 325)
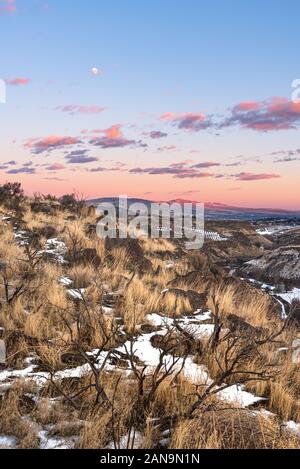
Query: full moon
(95, 71)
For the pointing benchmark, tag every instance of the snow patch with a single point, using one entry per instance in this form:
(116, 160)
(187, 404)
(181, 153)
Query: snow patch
(7, 442)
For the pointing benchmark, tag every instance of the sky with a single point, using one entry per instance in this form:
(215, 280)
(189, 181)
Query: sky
(187, 99)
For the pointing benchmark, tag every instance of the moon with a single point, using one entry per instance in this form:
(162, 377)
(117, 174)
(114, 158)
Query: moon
(95, 71)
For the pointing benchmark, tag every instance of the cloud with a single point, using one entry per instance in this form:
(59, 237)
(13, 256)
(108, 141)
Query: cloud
(156, 134)
(180, 170)
(50, 143)
(18, 81)
(248, 106)
(84, 159)
(113, 132)
(184, 170)
(118, 166)
(56, 167)
(23, 170)
(206, 164)
(177, 171)
(100, 169)
(286, 156)
(11, 163)
(54, 179)
(236, 163)
(255, 177)
(8, 6)
(181, 164)
(191, 192)
(196, 175)
(287, 159)
(167, 148)
(265, 116)
(106, 143)
(188, 121)
(79, 157)
(286, 152)
(75, 153)
(113, 138)
(78, 109)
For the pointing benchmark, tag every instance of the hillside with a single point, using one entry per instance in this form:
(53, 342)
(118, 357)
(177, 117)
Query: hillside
(141, 343)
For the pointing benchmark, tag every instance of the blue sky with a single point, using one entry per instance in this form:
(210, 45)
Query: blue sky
(190, 58)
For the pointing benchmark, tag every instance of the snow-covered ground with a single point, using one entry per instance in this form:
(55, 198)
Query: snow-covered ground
(275, 229)
(150, 356)
(291, 295)
(55, 248)
(7, 442)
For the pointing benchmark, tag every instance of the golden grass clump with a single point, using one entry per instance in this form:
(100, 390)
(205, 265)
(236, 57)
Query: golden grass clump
(230, 429)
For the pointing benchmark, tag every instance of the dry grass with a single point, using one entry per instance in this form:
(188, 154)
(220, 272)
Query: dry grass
(231, 429)
(252, 305)
(41, 320)
(158, 246)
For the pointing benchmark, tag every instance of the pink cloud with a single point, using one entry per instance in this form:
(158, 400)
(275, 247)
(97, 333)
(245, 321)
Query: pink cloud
(50, 143)
(248, 106)
(8, 6)
(113, 132)
(113, 138)
(264, 116)
(188, 121)
(168, 116)
(56, 167)
(255, 177)
(18, 81)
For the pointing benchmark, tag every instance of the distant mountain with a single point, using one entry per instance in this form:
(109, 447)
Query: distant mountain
(218, 206)
(114, 200)
(215, 210)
